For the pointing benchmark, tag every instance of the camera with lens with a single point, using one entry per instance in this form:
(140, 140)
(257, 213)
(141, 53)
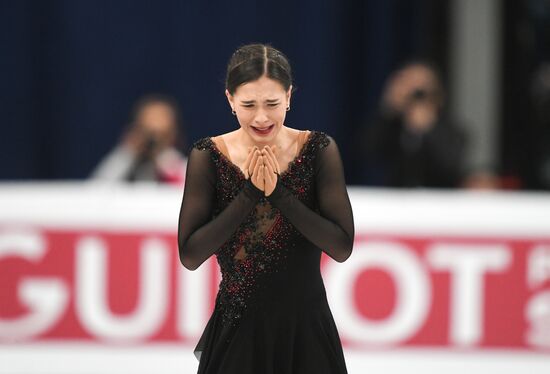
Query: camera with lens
(419, 94)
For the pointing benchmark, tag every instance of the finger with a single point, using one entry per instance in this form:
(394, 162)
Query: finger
(248, 159)
(276, 167)
(271, 168)
(257, 165)
(252, 164)
(261, 173)
(246, 165)
(265, 175)
(268, 159)
(270, 177)
(261, 159)
(254, 161)
(265, 152)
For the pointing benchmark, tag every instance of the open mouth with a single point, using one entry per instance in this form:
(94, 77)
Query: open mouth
(263, 130)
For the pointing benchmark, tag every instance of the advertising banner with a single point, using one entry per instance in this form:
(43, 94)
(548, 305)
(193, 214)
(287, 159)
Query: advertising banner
(91, 273)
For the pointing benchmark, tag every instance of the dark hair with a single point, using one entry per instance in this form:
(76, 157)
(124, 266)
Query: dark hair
(250, 62)
(155, 98)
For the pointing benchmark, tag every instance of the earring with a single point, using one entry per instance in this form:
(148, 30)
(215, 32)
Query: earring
(233, 112)
(288, 108)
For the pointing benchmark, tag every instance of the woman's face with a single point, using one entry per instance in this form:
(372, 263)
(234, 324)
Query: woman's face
(261, 108)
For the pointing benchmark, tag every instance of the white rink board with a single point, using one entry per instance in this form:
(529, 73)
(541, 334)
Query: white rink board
(170, 359)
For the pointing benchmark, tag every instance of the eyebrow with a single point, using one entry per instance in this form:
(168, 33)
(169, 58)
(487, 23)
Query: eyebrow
(253, 101)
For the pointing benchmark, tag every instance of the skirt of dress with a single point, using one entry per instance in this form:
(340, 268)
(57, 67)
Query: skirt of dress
(273, 340)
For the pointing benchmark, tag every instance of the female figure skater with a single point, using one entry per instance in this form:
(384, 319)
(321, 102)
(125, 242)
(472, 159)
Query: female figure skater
(266, 199)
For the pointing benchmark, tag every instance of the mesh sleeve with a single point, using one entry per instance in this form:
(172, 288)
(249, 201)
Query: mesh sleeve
(200, 234)
(332, 229)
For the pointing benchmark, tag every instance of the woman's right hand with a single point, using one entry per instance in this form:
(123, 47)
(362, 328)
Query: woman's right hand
(253, 168)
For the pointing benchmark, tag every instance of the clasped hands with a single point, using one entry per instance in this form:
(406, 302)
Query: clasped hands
(262, 168)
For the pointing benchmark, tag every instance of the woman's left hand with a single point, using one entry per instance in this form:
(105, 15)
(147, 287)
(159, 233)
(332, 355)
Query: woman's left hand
(271, 169)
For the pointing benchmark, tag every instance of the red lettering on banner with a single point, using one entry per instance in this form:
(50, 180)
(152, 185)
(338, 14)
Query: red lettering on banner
(128, 287)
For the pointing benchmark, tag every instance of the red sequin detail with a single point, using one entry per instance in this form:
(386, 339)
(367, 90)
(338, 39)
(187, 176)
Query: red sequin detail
(261, 245)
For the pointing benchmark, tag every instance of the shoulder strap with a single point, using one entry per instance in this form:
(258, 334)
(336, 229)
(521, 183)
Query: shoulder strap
(302, 138)
(222, 147)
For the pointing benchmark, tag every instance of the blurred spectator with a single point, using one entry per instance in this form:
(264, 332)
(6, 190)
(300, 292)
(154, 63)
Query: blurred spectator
(540, 99)
(483, 180)
(411, 142)
(147, 151)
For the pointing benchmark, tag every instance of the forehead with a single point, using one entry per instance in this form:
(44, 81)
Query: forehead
(263, 88)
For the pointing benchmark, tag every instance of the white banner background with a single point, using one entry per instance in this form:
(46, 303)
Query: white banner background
(472, 241)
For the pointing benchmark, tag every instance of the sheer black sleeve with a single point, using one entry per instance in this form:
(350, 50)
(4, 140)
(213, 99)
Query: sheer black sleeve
(332, 229)
(199, 234)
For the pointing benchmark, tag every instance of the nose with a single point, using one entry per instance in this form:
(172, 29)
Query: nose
(261, 117)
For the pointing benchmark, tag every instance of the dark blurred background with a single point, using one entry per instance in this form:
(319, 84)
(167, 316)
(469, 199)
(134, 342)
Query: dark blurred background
(71, 70)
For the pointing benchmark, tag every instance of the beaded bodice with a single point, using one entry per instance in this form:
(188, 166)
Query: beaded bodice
(261, 244)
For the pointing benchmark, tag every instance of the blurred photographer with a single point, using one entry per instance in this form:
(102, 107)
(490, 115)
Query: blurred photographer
(147, 151)
(411, 143)
(540, 115)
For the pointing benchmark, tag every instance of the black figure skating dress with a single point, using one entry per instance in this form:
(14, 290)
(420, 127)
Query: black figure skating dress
(271, 314)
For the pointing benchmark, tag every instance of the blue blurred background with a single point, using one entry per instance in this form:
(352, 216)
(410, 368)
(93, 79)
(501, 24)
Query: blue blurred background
(71, 70)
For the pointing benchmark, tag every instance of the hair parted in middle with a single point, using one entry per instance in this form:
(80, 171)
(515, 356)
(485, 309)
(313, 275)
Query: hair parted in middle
(250, 62)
